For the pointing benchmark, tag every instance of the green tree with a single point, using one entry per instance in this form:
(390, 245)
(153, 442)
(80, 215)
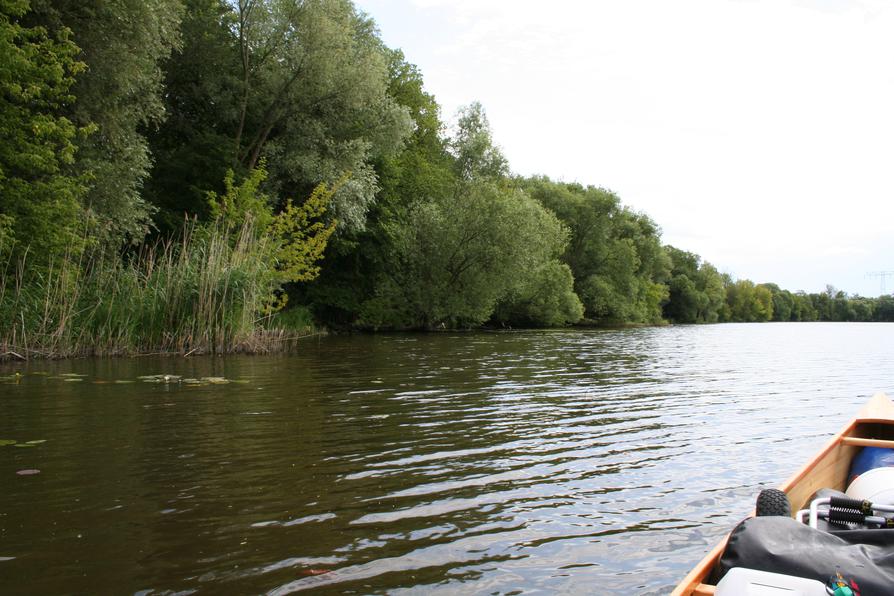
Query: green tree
(544, 298)
(40, 193)
(783, 303)
(460, 256)
(122, 44)
(421, 171)
(762, 305)
(697, 291)
(192, 148)
(802, 309)
(884, 310)
(477, 157)
(685, 300)
(747, 302)
(863, 308)
(615, 254)
(313, 98)
(294, 238)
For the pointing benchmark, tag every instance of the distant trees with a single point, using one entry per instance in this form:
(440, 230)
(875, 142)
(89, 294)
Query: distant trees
(696, 290)
(614, 254)
(699, 294)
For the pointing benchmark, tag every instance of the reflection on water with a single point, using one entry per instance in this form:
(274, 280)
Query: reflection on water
(558, 461)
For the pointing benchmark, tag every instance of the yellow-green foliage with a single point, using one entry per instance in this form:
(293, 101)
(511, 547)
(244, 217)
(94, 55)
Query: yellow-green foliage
(295, 238)
(242, 202)
(301, 236)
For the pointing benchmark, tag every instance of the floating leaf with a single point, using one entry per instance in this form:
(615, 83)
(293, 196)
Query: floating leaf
(72, 375)
(123, 382)
(216, 380)
(73, 380)
(6, 559)
(160, 378)
(22, 445)
(30, 472)
(5, 442)
(36, 442)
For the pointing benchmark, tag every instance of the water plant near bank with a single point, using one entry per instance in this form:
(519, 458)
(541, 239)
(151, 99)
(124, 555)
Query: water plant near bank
(211, 290)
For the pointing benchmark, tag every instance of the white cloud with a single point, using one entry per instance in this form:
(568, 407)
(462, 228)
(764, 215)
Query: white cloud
(758, 134)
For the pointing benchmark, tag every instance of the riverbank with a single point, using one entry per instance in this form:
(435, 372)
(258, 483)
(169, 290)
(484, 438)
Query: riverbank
(213, 290)
(273, 341)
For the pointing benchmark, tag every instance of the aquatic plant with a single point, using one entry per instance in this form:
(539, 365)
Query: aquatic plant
(208, 291)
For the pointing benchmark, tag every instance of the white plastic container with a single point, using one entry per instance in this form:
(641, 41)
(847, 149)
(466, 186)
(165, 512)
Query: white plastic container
(740, 581)
(876, 485)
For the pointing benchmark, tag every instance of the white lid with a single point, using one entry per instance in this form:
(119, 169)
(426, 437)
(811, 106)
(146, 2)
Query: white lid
(740, 581)
(876, 485)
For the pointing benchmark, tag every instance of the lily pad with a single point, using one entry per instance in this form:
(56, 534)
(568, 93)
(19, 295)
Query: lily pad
(216, 380)
(73, 380)
(22, 445)
(29, 472)
(5, 442)
(160, 378)
(36, 442)
(2, 559)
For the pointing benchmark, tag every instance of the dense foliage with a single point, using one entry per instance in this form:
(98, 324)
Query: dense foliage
(276, 149)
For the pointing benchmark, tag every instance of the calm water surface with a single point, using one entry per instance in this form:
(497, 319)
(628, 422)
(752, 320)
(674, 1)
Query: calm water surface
(480, 463)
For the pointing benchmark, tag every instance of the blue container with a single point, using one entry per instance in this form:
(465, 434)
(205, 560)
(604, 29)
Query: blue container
(868, 459)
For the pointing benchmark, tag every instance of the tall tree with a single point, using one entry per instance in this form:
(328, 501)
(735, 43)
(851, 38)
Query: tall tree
(40, 193)
(192, 149)
(477, 156)
(473, 244)
(420, 172)
(119, 94)
(312, 97)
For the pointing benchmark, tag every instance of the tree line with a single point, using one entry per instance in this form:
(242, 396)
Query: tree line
(284, 138)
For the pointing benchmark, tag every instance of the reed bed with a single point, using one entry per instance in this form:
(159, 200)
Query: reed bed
(208, 291)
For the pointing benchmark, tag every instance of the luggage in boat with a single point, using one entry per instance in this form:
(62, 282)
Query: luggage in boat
(785, 546)
(775, 551)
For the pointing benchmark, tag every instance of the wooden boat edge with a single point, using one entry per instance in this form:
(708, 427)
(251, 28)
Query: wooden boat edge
(880, 408)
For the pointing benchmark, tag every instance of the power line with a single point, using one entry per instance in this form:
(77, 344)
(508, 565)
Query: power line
(883, 275)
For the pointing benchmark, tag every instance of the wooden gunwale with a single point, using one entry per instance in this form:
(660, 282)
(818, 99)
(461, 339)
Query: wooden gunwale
(830, 463)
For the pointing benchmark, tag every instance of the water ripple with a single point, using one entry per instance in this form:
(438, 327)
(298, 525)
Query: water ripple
(476, 463)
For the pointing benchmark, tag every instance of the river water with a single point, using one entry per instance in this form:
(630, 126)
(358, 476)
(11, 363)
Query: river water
(579, 461)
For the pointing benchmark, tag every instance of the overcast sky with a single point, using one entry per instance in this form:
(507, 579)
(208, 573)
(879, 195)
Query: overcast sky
(758, 134)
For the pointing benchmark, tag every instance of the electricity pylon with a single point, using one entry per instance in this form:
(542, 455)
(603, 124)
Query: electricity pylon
(883, 275)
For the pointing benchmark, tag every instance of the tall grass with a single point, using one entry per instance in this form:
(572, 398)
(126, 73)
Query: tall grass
(205, 292)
